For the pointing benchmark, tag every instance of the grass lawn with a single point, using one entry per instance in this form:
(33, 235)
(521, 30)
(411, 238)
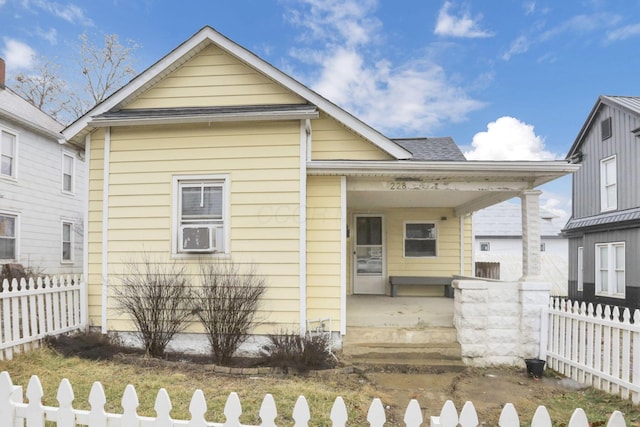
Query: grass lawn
(181, 379)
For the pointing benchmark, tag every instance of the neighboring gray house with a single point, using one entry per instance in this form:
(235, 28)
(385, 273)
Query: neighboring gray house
(604, 230)
(497, 246)
(42, 190)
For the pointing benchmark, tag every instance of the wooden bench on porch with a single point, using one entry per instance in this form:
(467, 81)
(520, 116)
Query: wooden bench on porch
(396, 281)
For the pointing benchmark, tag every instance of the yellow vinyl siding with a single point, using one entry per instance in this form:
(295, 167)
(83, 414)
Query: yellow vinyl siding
(323, 249)
(214, 78)
(264, 203)
(333, 141)
(94, 218)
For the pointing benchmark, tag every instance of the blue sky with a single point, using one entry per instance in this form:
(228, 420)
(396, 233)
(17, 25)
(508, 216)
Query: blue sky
(506, 79)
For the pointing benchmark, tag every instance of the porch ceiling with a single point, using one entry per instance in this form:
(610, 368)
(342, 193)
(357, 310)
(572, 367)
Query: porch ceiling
(464, 186)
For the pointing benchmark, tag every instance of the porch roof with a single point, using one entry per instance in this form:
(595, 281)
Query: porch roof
(465, 186)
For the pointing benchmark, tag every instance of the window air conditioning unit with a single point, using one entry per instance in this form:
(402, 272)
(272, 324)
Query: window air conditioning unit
(199, 238)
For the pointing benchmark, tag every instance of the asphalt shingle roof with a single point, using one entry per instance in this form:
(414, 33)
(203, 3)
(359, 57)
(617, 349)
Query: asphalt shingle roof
(432, 149)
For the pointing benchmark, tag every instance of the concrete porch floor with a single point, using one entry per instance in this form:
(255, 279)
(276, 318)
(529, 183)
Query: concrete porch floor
(385, 311)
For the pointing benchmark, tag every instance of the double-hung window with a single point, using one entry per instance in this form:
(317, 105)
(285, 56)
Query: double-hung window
(419, 239)
(8, 237)
(580, 264)
(608, 184)
(8, 150)
(610, 269)
(68, 172)
(200, 214)
(67, 241)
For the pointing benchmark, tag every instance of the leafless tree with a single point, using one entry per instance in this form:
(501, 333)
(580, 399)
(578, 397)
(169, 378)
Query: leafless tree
(227, 303)
(44, 88)
(157, 296)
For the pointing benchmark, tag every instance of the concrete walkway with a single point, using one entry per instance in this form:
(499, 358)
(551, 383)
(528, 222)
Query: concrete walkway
(384, 311)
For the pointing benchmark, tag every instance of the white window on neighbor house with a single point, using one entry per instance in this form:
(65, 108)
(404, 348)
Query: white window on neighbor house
(610, 269)
(608, 184)
(200, 214)
(68, 173)
(8, 154)
(420, 239)
(580, 264)
(485, 246)
(67, 241)
(8, 237)
(543, 247)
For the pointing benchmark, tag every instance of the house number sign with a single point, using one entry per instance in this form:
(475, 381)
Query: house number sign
(409, 185)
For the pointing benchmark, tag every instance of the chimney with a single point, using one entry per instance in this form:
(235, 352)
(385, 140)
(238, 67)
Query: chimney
(2, 73)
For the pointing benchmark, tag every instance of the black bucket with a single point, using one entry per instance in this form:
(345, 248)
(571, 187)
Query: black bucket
(535, 367)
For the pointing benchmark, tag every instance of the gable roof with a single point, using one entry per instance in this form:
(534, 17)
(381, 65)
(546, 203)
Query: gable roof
(17, 109)
(630, 104)
(432, 149)
(203, 38)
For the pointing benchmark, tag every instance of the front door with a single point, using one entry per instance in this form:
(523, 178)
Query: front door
(369, 255)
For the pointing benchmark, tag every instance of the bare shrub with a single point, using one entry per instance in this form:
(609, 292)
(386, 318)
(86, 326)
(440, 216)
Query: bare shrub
(227, 304)
(157, 296)
(288, 350)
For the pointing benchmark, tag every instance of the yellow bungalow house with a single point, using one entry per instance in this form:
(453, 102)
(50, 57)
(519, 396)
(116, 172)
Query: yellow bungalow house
(323, 204)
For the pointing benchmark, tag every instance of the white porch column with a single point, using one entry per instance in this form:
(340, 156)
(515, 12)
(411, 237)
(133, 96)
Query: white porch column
(530, 235)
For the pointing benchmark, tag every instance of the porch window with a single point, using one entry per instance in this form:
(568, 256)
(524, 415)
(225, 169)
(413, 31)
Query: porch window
(200, 212)
(8, 237)
(419, 239)
(610, 269)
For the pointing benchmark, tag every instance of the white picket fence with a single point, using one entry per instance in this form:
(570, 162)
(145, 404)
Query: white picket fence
(32, 309)
(14, 413)
(595, 346)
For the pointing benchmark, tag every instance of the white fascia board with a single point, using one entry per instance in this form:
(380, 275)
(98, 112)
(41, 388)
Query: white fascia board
(467, 168)
(204, 118)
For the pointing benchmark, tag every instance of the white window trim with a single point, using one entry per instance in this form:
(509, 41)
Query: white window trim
(71, 242)
(404, 239)
(225, 180)
(73, 173)
(17, 250)
(580, 264)
(611, 270)
(603, 188)
(14, 176)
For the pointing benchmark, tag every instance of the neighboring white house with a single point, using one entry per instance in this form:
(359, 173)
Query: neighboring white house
(497, 232)
(42, 189)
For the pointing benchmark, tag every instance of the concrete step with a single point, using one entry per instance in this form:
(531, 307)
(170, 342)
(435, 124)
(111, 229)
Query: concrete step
(399, 335)
(394, 351)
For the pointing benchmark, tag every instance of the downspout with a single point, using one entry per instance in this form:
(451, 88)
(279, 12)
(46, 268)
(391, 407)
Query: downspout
(84, 311)
(343, 255)
(105, 227)
(305, 140)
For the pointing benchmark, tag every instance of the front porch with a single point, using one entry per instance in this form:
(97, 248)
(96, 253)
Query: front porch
(379, 311)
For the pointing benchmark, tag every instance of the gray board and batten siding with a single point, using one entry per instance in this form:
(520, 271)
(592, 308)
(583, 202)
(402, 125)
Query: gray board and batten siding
(589, 224)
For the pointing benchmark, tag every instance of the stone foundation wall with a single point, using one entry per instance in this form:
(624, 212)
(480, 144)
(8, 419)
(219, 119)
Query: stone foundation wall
(498, 323)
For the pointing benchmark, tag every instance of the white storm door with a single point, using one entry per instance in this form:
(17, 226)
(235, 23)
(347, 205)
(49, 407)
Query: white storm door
(369, 255)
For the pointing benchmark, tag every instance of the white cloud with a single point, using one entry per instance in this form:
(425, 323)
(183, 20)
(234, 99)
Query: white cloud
(624, 32)
(529, 7)
(50, 35)
(518, 46)
(581, 24)
(458, 26)
(559, 205)
(69, 12)
(18, 55)
(509, 139)
(342, 41)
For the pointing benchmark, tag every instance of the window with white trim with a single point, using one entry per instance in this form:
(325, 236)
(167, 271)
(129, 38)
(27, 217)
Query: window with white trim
(608, 184)
(485, 246)
(8, 237)
(68, 172)
(8, 150)
(610, 269)
(580, 264)
(67, 241)
(420, 239)
(200, 210)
